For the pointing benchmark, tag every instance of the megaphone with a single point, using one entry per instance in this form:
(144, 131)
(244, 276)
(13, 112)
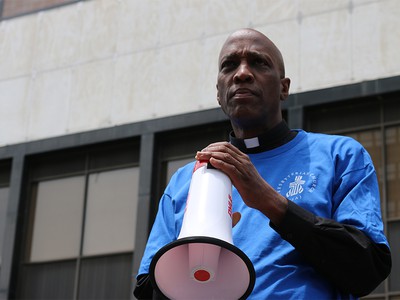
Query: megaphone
(203, 263)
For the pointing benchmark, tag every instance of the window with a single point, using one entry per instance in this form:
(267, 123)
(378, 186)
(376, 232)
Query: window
(14, 8)
(179, 147)
(4, 192)
(80, 233)
(393, 204)
(3, 216)
(174, 165)
(394, 240)
(57, 219)
(393, 171)
(111, 204)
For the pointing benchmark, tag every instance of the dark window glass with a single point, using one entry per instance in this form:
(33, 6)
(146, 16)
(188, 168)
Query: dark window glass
(57, 164)
(106, 277)
(394, 240)
(392, 108)
(3, 216)
(48, 281)
(392, 137)
(5, 170)
(342, 116)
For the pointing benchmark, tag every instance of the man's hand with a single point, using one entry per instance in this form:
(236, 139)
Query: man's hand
(236, 218)
(254, 190)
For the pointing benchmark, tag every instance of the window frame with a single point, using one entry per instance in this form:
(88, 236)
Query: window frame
(85, 161)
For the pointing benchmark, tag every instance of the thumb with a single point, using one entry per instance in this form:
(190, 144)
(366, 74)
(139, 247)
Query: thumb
(235, 218)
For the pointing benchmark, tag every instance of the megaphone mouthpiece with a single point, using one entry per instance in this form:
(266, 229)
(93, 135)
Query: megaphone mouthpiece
(178, 271)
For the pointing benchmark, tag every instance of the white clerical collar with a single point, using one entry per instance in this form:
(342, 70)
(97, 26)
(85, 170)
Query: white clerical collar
(252, 143)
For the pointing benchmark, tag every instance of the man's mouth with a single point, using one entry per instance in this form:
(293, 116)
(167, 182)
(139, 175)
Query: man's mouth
(242, 93)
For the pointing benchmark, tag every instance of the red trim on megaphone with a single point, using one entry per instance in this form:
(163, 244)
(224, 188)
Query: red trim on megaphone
(199, 164)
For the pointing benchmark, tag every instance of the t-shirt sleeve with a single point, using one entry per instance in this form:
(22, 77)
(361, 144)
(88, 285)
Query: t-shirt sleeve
(162, 232)
(350, 248)
(356, 198)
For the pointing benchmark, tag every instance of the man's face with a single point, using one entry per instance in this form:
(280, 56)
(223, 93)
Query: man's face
(250, 84)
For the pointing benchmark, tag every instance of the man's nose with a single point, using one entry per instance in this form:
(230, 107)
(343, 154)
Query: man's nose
(243, 74)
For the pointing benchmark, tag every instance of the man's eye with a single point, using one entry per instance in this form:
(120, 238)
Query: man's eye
(261, 62)
(228, 64)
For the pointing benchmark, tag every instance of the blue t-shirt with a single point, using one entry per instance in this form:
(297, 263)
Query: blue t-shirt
(331, 176)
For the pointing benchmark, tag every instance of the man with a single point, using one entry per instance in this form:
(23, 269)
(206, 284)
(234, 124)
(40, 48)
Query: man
(309, 203)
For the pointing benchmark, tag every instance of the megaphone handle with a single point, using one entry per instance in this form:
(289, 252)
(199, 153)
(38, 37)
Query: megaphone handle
(210, 166)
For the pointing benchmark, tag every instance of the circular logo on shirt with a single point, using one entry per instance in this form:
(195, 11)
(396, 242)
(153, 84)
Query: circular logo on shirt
(294, 185)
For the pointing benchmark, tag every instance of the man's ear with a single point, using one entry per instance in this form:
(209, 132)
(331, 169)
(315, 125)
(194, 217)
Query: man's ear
(285, 85)
(219, 102)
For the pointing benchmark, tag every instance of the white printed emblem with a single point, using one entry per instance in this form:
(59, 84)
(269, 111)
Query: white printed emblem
(296, 187)
(295, 184)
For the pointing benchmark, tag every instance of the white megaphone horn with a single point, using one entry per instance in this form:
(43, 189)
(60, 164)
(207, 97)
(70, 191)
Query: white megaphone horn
(203, 263)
